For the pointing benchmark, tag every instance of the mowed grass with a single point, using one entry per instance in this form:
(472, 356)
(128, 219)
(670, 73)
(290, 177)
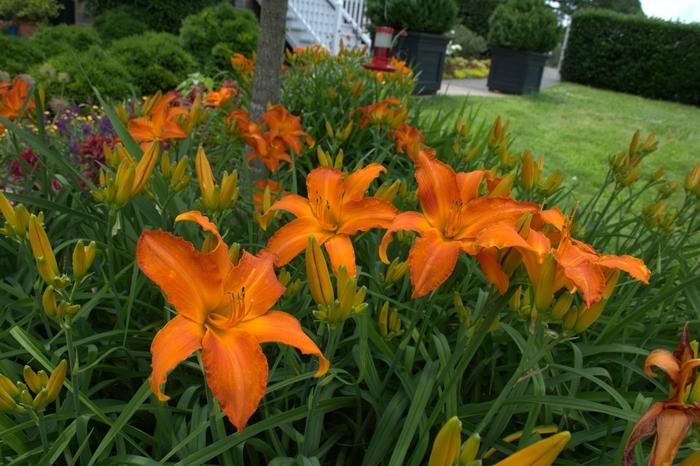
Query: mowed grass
(576, 128)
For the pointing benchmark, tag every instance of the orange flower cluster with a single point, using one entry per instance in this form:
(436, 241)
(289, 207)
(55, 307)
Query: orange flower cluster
(223, 309)
(12, 98)
(498, 231)
(161, 121)
(401, 72)
(245, 67)
(409, 140)
(388, 112)
(336, 208)
(283, 133)
(217, 99)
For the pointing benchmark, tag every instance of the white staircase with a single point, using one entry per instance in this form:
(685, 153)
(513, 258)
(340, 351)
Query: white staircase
(326, 23)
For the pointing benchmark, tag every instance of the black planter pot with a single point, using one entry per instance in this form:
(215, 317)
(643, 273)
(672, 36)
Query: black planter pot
(425, 54)
(516, 72)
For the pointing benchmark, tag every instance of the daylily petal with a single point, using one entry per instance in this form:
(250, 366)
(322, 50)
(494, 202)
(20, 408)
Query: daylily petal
(172, 344)
(220, 251)
(294, 204)
(589, 279)
(485, 211)
(553, 217)
(672, 425)
(431, 261)
(341, 253)
(357, 182)
(413, 221)
(645, 426)
(236, 370)
(664, 360)
(280, 327)
(468, 184)
(579, 266)
(255, 275)
(365, 214)
(325, 185)
(191, 280)
(501, 235)
(292, 238)
(173, 130)
(140, 129)
(437, 189)
(488, 260)
(633, 266)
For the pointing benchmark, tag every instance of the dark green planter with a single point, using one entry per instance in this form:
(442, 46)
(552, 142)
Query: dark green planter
(516, 72)
(425, 53)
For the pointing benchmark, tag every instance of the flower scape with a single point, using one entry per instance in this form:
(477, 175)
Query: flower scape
(399, 288)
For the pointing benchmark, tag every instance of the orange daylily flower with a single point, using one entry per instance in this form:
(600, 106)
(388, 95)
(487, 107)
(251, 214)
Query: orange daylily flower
(12, 98)
(216, 99)
(287, 127)
(578, 265)
(284, 132)
(244, 66)
(336, 209)
(669, 420)
(409, 140)
(389, 112)
(454, 219)
(160, 123)
(400, 66)
(222, 309)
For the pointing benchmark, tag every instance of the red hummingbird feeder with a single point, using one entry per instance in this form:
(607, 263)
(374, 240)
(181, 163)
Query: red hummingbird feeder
(381, 50)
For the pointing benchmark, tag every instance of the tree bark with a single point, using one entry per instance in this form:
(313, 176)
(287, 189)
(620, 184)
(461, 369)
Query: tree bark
(270, 54)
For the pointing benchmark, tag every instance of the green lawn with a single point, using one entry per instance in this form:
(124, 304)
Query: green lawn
(577, 128)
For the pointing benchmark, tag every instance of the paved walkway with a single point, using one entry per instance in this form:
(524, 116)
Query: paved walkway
(477, 87)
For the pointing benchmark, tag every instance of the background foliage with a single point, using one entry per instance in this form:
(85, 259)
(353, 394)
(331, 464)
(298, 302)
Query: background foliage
(215, 33)
(648, 57)
(436, 17)
(154, 60)
(527, 25)
(161, 15)
(117, 23)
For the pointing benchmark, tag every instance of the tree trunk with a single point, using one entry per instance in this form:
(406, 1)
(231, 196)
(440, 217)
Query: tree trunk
(268, 67)
(270, 54)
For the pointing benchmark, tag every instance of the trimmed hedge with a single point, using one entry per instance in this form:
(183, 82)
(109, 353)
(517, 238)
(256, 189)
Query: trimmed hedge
(18, 54)
(56, 40)
(72, 75)
(217, 32)
(118, 23)
(154, 60)
(648, 57)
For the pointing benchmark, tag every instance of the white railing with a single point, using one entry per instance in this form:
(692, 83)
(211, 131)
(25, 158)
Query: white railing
(326, 22)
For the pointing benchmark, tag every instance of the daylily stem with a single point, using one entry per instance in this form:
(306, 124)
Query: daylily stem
(74, 363)
(39, 419)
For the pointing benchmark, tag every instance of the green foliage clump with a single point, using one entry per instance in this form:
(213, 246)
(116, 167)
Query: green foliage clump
(155, 60)
(648, 57)
(118, 23)
(72, 75)
(628, 7)
(55, 40)
(475, 14)
(217, 32)
(160, 15)
(437, 16)
(528, 25)
(29, 10)
(18, 54)
(471, 44)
